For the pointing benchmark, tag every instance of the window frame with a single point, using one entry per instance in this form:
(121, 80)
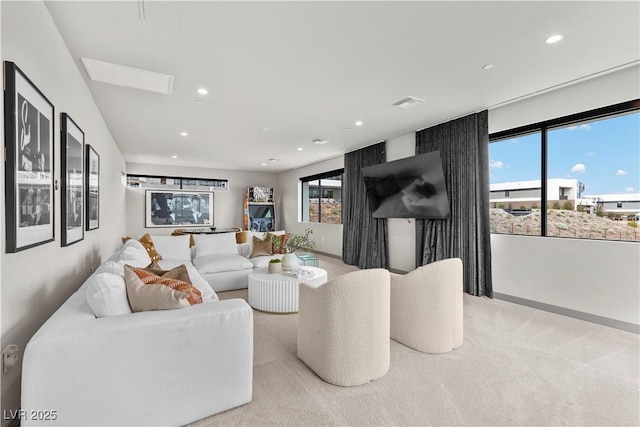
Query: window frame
(545, 126)
(319, 177)
(181, 180)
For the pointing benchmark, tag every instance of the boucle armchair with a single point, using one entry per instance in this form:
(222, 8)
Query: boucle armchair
(343, 327)
(426, 307)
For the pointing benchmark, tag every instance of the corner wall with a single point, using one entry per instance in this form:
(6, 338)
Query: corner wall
(227, 205)
(36, 281)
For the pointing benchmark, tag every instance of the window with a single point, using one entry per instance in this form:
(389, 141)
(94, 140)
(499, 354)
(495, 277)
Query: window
(514, 182)
(178, 183)
(322, 197)
(584, 167)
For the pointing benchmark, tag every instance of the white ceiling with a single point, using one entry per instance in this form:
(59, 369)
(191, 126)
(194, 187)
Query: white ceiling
(308, 70)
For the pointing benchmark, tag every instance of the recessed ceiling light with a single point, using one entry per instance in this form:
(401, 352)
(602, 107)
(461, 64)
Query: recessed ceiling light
(264, 164)
(407, 102)
(346, 129)
(199, 101)
(318, 141)
(175, 156)
(184, 134)
(299, 148)
(203, 91)
(274, 160)
(554, 39)
(487, 67)
(359, 123)
(266, 129)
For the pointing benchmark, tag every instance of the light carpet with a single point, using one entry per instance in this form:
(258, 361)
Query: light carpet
(516, 366)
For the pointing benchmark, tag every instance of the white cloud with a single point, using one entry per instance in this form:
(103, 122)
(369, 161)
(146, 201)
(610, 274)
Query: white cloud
(629, 190)
(585, 126)
(496, 164)
(579, 167)
(621, 172)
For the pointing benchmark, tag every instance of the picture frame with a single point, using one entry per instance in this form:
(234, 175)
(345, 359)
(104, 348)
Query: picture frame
(72, 164)
(29, 167)
(178, 208)
(92, 188)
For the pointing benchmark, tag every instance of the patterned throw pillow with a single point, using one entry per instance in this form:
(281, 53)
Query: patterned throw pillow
(261, 247)
(147, 291)
(147, 242)
(279, 243)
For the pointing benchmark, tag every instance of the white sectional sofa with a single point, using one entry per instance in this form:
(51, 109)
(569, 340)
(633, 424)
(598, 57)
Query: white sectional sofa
(96, 363)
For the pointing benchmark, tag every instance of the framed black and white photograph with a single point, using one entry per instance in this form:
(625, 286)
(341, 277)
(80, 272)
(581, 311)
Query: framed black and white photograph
(72, 195)
(92, 185)
(172, 208)
(29, 118)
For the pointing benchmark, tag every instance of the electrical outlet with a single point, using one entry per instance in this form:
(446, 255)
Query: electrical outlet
(9, 356)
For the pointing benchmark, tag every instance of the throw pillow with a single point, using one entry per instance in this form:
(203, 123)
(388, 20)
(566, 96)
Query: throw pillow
(107, 295)
(147, 291)
(216, 244)
(147, 242)
(173, 247)
(279, 243)
(261, 247)
(178, 273)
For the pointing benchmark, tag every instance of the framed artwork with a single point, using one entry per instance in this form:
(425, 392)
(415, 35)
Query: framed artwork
(92, 195)
(29, 181)
(72, 165)
(173, 208)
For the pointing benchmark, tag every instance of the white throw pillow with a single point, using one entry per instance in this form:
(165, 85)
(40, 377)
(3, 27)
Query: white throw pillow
(133, 253)
(173, 247)
(215, 244)
(112, 267)
(107, 295)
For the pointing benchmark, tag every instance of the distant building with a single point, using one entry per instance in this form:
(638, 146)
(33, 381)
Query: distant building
(527, 194)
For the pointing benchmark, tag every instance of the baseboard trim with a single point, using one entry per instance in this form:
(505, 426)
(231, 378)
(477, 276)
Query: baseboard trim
(601, 320)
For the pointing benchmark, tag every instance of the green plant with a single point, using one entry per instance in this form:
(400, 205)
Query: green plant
(274, 261)
(632, 224)
(293, 243)
(567, 206)
(556, 205)
(301, 241)
(500, 205)
(534, 206)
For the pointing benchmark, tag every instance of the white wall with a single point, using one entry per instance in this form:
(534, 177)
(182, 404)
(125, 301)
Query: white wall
(227, 205)
(402, 232)
(594, 277)
(35, 282)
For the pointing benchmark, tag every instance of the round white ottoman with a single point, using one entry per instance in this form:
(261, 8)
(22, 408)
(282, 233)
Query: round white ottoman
(278, 293)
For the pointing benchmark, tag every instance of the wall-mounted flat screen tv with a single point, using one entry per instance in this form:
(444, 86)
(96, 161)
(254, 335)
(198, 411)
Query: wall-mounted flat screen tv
(413, 187)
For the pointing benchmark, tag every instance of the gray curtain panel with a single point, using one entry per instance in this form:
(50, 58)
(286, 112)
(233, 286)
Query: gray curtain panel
(464, 148)
(364, 239)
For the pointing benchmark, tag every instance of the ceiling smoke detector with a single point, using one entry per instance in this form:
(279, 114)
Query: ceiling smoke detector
(408, 102)
(318, 141)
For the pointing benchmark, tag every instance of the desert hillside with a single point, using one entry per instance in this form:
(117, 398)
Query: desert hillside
(565, 223)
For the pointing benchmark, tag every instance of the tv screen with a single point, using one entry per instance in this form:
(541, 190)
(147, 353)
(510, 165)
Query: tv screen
(408, 188)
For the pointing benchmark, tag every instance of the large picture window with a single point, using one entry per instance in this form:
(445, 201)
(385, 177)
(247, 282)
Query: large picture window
(576, 176)
(322, 197)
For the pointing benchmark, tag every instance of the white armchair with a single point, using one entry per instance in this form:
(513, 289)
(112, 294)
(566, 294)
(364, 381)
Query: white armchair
(426, 307)
(343, 327)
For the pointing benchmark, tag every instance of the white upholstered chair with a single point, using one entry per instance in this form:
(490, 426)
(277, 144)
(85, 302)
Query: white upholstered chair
(426, 307)
(343, 327)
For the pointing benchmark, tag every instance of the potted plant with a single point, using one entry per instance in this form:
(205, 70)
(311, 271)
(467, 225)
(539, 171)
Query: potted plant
(293, 243)
(275, 266)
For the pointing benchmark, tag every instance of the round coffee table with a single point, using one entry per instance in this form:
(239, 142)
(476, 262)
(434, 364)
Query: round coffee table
(278, 292)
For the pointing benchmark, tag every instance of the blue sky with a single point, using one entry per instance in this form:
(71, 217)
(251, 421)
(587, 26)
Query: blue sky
(603, 154)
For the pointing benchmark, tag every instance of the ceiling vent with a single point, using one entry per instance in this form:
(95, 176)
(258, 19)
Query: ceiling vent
(318, 141)
(408, 102)
(122, 75)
